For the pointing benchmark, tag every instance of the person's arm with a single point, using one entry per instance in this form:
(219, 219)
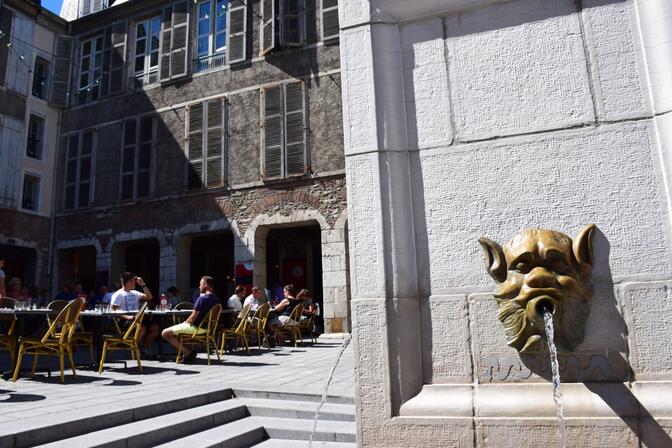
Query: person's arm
(146, 293)
(192, 317)
(282, 305)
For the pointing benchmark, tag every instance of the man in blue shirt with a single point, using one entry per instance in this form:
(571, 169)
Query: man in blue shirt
(203, 303)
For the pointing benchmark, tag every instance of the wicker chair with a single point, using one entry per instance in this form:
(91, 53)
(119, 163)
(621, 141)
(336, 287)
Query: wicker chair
(292, 329)
(206, 337)
(239, 331)
(128, 341)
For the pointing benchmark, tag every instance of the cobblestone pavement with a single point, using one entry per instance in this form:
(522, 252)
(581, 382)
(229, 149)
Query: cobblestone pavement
(283, 369)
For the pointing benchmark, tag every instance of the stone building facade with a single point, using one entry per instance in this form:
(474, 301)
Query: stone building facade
(201, 137)
(467, 118)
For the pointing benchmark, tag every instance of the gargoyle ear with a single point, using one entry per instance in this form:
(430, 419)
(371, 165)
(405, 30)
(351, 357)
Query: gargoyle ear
(583, 245)
(495, 263)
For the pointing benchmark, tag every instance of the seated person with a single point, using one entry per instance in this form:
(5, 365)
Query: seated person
(254, 299)
(171, 295)
(204, 302)
(235, 302)
(308, 304)
(284, 309)
(127, 298)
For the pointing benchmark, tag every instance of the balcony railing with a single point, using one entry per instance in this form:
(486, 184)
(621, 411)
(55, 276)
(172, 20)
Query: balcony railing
(209, 62)
(143, 79)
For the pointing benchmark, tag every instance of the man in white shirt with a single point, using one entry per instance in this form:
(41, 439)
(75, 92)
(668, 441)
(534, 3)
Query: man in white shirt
(235, 302)
(128, 299)
(254, 298)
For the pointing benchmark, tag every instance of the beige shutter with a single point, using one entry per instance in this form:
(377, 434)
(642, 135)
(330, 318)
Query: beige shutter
(330, 26)
(272, 132)
(214, 145)
(166, 37)
(118, 60)
(295, 130)
(291, 22)
(268, 26)
(195, 146)
(236, 45)
(60, 77)
(179, 52)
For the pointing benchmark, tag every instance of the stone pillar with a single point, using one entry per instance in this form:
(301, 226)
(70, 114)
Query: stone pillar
(255, 250)
(335, 282)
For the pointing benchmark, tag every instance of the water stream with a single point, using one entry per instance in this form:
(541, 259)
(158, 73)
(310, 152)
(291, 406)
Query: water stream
(326, 388)
(557, 396)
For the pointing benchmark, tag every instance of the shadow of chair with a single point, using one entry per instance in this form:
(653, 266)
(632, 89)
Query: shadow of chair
(55, 342)
(292, 328)
(128, 341)
(239, 331)
(204, 335)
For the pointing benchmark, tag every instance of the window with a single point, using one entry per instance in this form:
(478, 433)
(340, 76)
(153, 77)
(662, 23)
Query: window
(78, 169)
(284, 131)
(40, 78)
(282, 24)
(147, 38)
(90, 70)
(87, 7)
(136, 163)
(35, 142)
(330, 26)
(31, 192)
(206, 139)
(211, 35)
(174, 53)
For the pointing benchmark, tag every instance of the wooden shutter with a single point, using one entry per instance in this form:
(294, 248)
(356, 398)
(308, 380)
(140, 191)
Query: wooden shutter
(295, 130)
(5, 29)
(330, 25)
(85, 169)
(291, 22)
(195, 146)
(21, 53)
(236, 45)
(269, 19)
(119, 36)
(164, 50)
(179, 53)
(71, 171)
(272, 132)
(97, 5)
(214, 143)
(128, 159)
(86, 7)
(60, 77)
(107, 62)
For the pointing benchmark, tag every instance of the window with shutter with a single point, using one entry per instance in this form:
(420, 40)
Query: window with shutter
(117, 63)
(330, 25)
(137, 158)
(79, 169)
(291, 22)
(174, 51)
(206, 144)
(90, 70)
(284, 131)
(60, 79)
(166, 37)
(237, 35)
(282, 24)
(35, 142)
(31, 192)
(269, 19)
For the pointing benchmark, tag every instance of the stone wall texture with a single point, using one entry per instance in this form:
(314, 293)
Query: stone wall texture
(515, 114)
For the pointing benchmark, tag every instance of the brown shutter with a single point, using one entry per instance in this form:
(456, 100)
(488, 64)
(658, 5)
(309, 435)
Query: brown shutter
(295, 130)
(107, 62)
(166, 37)
(195, 146)
(236, 46)
(272, 132)
(330, 25)
(179, 53)
(60, 78)
(128, 159)
(215, 143)
(118, 59)
(291, 14)
(269, 20)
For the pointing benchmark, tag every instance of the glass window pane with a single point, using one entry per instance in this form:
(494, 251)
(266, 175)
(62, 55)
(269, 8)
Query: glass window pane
(73, 142)
(129, 160)
(87, 143)
(70, 197)
(71, 176)
(127, 187)
(129, 137)
(204, 10)
(156, 26)
(84, 194)
(145, 159)
(203, 27)
(146, 129)
(99, 44)
(154, 59)
(140, 47)
(141, 31)
(85, 64)
(140, 64)
(143, 184)
(221, 41)
(155, 43)
(203, 46)
(85, 169)
(86, 47)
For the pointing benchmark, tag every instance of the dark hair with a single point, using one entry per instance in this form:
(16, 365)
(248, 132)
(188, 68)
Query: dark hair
(291, 290)
(208, 281)
(126, 277)
(256, 288)
(302, 293)
(240, 289)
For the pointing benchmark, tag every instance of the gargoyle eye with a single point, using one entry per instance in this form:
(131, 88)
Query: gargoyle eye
(523, 268)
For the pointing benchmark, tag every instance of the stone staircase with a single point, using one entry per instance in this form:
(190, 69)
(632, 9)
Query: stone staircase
(229, 418)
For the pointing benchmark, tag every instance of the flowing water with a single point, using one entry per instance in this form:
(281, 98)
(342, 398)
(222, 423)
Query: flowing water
(557, 396)
(326, 389)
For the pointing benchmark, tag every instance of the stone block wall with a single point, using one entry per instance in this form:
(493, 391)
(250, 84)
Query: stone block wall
(465, 118)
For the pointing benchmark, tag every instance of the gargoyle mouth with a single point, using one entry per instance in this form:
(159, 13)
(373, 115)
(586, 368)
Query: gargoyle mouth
(536, 308)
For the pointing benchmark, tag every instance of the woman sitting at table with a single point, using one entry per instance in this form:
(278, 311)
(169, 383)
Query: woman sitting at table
(284, 309)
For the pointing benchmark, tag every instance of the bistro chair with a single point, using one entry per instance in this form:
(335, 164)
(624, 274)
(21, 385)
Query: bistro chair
(257, 326)
(181, 306)
(55, 307)
(55, 342)
(7, 302)
(7, 338)
(239, 331)
(82, 338)
(129, 340)
(291, 330)
(207, 337)
(307, 325)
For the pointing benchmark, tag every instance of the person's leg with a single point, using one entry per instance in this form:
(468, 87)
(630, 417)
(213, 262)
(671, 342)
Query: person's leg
(152, 334)
(169, 334)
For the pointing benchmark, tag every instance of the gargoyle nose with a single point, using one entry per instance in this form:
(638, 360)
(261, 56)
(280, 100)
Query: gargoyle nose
(540, 277)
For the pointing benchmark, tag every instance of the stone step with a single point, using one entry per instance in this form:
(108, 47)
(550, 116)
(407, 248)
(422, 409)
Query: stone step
(157, 430)
(238, 434)
(262, 407)
(280, 443)
(91, 418)
(273, 395)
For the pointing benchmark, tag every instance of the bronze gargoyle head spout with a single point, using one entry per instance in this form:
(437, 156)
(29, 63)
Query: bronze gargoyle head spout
(542, 270)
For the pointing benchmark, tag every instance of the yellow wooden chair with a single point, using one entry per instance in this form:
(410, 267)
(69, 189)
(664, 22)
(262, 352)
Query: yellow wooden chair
(82, 338)
(181, 306)
(129, 340)
(7, 327)
(257, 326)
(55, 342)
(239, 331)
(292, 328)
(308, 326)
(206, 337)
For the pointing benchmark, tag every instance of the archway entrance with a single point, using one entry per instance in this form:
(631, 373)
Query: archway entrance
(141, 257)
(20, 262)
(212, 255)
(77, 265)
